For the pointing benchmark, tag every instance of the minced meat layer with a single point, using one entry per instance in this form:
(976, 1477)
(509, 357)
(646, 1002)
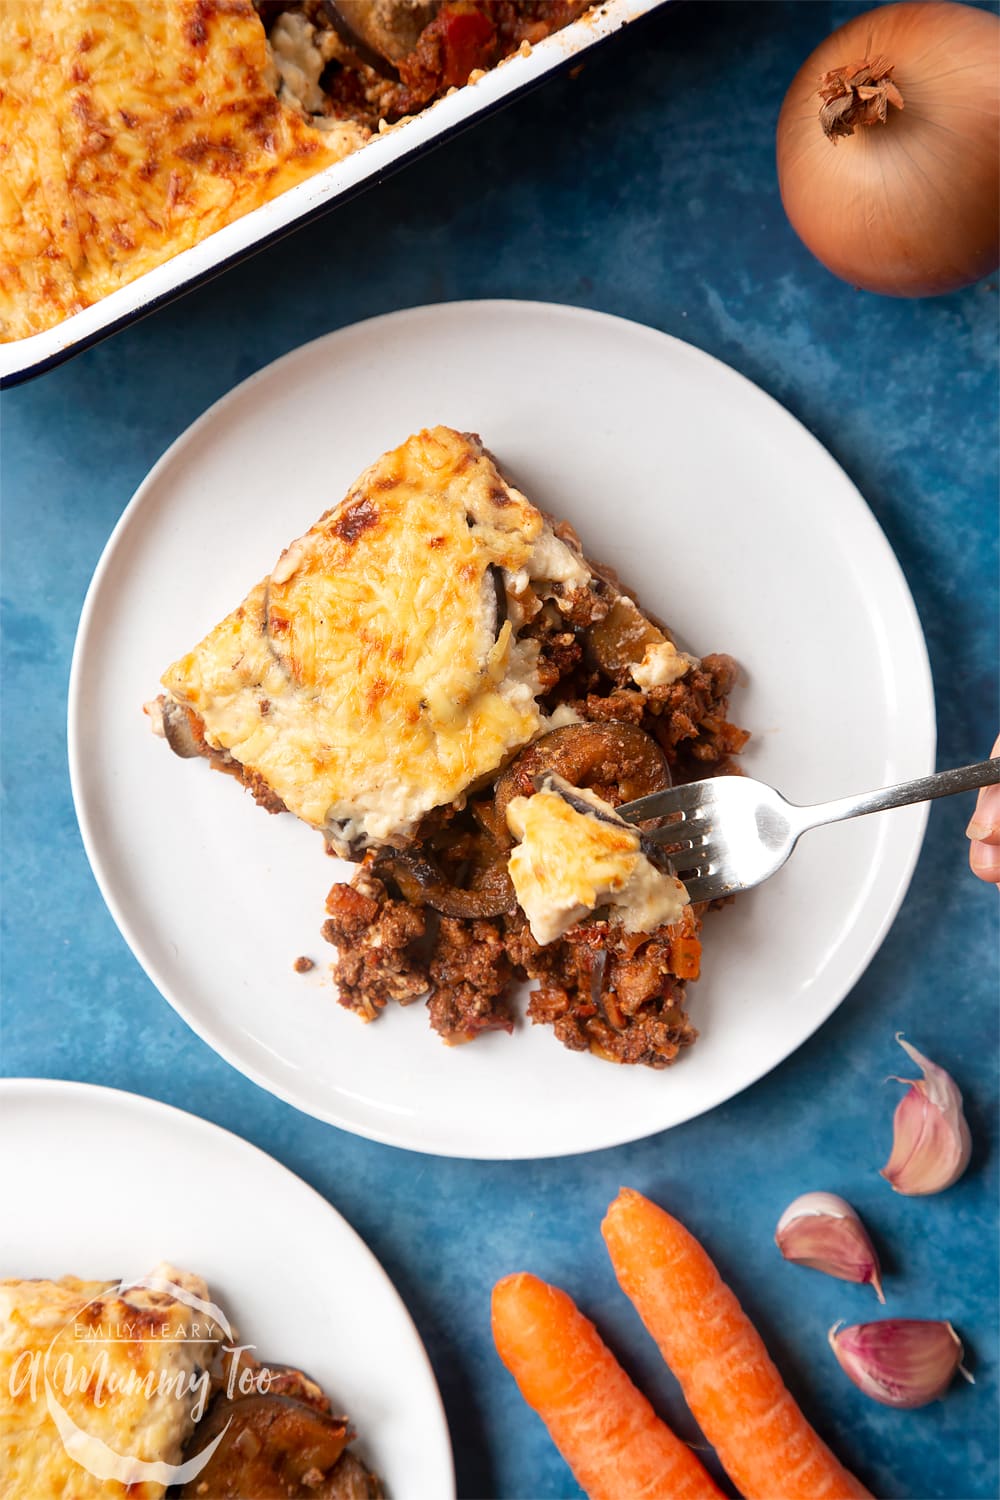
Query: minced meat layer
(462, 37)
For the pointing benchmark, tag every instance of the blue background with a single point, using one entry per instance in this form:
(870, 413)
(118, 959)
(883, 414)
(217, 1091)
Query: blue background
(644, 187)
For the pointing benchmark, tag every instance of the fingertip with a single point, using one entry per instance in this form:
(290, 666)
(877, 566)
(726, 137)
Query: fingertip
(981, 832)
(984, 860)
(984, 827)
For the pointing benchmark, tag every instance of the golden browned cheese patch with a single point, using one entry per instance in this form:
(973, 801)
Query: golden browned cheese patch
(391, 680)
(126, 1369)
(130, 130)
(574, 856)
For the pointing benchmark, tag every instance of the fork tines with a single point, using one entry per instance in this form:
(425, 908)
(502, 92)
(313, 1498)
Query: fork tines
(683, 834)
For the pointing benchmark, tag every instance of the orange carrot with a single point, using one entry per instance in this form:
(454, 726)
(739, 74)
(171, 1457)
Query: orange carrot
(604, 1428)
(685, 957)
(765, 1443)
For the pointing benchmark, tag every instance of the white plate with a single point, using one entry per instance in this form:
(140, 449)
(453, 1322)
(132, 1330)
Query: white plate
(730, 521)
(288, 1271)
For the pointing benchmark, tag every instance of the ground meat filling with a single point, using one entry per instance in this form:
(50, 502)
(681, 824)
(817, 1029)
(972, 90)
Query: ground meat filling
(379, 80)
(617, 994)
(470, 974)
(380, 945)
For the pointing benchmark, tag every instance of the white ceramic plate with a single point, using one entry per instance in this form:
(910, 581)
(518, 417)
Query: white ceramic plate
(729, 520)
(288, 1271)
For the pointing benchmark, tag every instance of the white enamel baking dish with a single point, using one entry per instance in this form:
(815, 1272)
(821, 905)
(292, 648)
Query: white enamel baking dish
(384, 154)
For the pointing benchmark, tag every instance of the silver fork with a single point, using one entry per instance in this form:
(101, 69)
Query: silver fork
(729, 833)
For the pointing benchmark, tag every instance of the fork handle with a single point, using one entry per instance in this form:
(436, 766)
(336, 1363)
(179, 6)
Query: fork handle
(941, 784)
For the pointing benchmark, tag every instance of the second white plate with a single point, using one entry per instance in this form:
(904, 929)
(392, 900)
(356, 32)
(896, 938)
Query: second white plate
(109, 1185)
(729, 520)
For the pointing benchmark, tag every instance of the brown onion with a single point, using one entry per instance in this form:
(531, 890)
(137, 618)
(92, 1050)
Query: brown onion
(889, 152)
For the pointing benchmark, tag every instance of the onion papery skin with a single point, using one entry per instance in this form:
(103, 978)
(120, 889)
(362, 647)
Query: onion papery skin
(911, 207)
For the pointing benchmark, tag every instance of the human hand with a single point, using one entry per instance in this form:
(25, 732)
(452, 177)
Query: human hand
(984, 832)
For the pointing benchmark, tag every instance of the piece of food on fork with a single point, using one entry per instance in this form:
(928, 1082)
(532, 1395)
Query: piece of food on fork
(725, 836)
(412, 665)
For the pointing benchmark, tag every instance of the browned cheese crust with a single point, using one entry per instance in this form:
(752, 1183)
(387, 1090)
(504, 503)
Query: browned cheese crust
(130, 130)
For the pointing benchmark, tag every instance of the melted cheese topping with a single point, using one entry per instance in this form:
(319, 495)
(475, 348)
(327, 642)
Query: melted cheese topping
(63, 1329)
(571, 860)
(130, 130)
(369, 680)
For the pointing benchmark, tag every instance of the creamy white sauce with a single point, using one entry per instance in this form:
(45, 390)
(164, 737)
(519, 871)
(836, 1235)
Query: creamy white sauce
(554, 562)
(299, 54)
(661, 665)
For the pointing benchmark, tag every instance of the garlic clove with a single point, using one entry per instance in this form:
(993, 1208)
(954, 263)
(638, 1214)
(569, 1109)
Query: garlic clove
(823, 1231)
(903, 1362)
(931, 1141)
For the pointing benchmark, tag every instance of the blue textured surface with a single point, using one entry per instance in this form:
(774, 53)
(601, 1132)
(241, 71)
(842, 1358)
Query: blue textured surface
(657, 200)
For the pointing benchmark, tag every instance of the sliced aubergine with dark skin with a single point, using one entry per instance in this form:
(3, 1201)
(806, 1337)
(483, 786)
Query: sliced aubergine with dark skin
(620, 640)
(620, 761)
(275, 1447)
(549, 781)
(179, 731)
(423, 883)
(381, 32)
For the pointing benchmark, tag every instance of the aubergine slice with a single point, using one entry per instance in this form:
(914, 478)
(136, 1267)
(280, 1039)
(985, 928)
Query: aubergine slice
(423, 883)
(276, 1447)
(621, 638)
(381, 31)
(616, 758)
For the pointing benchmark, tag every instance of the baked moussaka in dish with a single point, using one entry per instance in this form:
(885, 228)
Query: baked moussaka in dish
(436, 679)
(110, 1389)
(132, 129)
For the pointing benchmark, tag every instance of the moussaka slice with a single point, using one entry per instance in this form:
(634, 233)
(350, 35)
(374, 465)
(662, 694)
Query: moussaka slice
(101, 1384)
(381, 670)
(427, 660)
(133, 1388)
